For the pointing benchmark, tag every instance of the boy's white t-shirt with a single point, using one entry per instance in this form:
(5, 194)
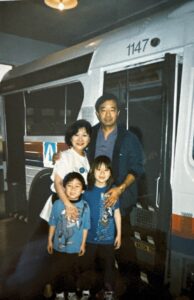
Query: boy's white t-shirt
(70, 161)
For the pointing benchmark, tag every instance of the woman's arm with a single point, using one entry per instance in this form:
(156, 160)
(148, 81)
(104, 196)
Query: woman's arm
(117, 217)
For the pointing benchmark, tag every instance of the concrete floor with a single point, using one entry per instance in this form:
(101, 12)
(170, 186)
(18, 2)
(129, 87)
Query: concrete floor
(23, 259)
(24, 267)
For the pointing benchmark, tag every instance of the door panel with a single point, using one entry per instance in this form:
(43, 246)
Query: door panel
(145, 120)
(146, 95)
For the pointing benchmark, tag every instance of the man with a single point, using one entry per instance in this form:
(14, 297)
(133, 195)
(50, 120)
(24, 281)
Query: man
(123, 148)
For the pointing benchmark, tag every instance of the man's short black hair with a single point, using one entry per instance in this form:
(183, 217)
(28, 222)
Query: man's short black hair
(105, 97)
(74, 128)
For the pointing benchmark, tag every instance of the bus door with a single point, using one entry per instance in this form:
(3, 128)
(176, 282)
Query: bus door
(146, 95)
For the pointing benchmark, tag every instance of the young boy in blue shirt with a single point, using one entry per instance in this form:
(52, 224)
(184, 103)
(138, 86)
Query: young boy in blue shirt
(67, 238)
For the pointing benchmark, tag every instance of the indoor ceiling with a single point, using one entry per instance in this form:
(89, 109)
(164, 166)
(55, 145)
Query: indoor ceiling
(33, 19)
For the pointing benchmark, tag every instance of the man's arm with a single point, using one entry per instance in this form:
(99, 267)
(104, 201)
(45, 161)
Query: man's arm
(133, 160)
(115, 192)
(71, 210)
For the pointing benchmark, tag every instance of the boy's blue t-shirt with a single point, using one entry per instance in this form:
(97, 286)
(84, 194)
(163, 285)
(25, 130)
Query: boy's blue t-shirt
(102, 230)
(68, 233)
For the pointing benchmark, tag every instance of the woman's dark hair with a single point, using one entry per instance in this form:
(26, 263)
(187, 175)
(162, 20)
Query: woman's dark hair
(105, 97)
(74, 175)
(74, 128)
(98, 161)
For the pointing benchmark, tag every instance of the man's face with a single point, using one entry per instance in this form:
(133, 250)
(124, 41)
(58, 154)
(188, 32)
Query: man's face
(108, 113)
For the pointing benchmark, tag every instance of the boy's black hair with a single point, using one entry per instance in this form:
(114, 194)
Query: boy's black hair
(74, 128)
(74, 175)
(105, 97)
(98, 161)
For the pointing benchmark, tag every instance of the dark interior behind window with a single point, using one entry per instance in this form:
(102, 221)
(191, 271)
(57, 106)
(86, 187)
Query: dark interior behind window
(139, 91)
(50, 110)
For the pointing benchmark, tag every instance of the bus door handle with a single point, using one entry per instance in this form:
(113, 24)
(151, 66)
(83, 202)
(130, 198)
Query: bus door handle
(157, 192)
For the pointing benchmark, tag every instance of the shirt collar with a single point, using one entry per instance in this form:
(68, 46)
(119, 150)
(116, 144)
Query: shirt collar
(114, 132)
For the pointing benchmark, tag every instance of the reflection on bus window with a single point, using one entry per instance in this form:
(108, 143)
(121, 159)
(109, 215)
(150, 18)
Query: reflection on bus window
(49, 111)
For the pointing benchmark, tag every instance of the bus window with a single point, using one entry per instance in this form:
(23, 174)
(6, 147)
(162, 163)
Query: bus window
(49, 111)
(116, 83)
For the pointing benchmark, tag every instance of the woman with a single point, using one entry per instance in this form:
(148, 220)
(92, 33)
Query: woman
(72, 160)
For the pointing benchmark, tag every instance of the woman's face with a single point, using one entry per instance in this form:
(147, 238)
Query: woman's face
(80, 140)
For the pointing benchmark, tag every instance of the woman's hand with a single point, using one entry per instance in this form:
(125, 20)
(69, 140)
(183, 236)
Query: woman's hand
(71, 212)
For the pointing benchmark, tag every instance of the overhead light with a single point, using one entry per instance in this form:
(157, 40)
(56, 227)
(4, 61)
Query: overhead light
(61, 4)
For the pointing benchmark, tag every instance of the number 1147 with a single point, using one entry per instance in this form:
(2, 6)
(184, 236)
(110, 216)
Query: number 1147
(140, 46)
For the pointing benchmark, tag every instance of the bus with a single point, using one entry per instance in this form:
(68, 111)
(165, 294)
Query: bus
(149, 65)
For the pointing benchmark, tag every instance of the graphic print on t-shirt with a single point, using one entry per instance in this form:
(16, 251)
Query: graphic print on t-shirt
(66, 230)
(67, 227)
(104, 230)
